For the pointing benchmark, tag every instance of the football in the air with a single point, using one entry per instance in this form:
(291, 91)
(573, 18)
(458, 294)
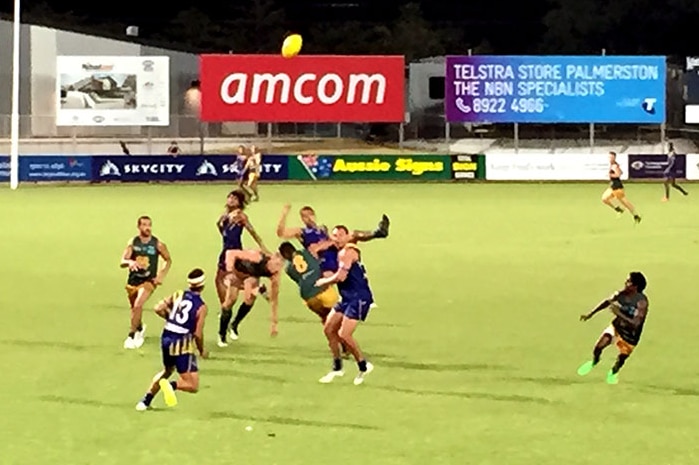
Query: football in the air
(292, 45)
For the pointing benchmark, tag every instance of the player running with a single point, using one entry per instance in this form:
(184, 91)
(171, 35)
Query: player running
(357, 298)
(141, 258)
(231, 225)
(312, 233)
(630, 305)
(250, 265)
(252, 173)
(615, 191)
(184, 313)
(670, 173)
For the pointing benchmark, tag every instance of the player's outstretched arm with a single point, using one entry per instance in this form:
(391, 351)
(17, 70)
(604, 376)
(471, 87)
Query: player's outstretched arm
(282, 231)
(255, 236)
(604, 304)
(318, 247)
(167, 263)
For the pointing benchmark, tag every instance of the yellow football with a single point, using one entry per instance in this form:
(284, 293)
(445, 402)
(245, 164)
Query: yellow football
(292, 46)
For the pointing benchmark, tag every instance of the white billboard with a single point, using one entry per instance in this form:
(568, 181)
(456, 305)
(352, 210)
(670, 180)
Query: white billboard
(113, 91)
(552, 167)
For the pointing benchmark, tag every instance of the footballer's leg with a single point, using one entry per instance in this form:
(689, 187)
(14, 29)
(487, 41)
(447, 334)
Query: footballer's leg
(625, 350)
(331, 328)
(250, 289)
(355, 312)
(233, 287)
(136, 333)
(154, 388)
(608, 199)
(604, 341)
(379, 233)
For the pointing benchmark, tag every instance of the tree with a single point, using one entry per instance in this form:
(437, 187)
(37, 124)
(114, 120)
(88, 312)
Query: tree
(413, 36)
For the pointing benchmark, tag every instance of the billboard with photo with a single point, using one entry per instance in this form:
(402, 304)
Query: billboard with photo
(112, 91)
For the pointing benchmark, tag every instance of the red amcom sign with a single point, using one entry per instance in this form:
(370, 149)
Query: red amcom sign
(320, 88)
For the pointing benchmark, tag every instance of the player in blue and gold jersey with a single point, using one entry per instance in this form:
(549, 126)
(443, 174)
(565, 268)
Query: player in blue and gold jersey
(630, 307)
(356, 299)
(231, 225)
(184, 313)
(313, 233)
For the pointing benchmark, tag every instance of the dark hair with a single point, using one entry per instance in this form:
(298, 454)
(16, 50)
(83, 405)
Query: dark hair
(638, 280)
(194, 274)
(670, 146)
(612, 153)
(287, 249)
(240, 195)
(307, 208)
(342, 227)
(143, 218)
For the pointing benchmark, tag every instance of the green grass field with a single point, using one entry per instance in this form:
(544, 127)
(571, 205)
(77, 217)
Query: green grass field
(476, 339)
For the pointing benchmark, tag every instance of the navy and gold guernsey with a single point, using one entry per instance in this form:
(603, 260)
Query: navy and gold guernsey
(146, 255)
(328, 258)
(177, 340)
(355, 293)
(626, 331)
(232, 238)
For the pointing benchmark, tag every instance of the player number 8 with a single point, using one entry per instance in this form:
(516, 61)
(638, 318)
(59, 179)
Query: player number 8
(300, 264)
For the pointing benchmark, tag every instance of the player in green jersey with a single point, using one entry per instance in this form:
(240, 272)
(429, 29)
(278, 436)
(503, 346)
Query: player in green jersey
(304, 269)
(141, 257)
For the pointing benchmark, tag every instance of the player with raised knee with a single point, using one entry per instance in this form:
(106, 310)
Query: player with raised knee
(615, 192)
(630, 307)
(184, 313)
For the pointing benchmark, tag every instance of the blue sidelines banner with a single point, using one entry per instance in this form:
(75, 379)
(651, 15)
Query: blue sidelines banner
(182, 168)
(555, 89)
(48, 168)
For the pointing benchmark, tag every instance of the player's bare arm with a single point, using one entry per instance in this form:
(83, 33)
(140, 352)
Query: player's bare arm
(318, 247)
(282, 231)
(167, 263)
(199, 331)
(604, 304)
(126, 261)
(163, 307)
(274, 282)
(346, 257)
(256, 237)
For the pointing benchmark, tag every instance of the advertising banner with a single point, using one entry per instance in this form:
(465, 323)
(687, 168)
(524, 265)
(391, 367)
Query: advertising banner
(692, 165)
(48, 168)
(555, 89)
(653, 166)
(370, 167)
(551, 167)
(4, 169)
(183, 168)
(465, 167)
(112, 91)
(310, 88)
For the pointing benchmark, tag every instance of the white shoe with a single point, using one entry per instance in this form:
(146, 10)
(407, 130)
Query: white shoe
(233, 335)
(331, 376)
(129, 343)
(142, 332)
(141, 407)
(221, 342)
(359, 379)
(138, 341)
(373, 305)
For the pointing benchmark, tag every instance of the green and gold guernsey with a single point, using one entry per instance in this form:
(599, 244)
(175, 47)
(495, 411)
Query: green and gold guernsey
(304, 269)
(146, 255)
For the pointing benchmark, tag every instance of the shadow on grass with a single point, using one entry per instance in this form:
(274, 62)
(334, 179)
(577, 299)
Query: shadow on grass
(668, 390)
(290, 421)
(436, 367)
(236, 373)
(546, 380)
(50, 345)
(316, 322)
(468, 395)
(90, 403)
